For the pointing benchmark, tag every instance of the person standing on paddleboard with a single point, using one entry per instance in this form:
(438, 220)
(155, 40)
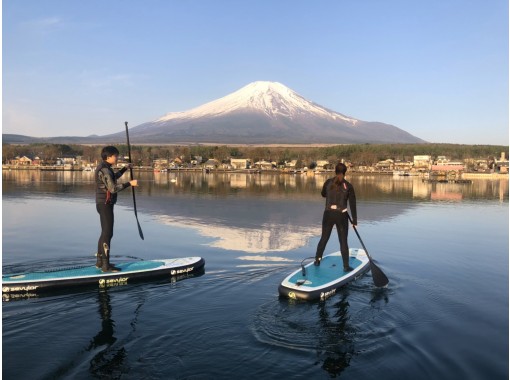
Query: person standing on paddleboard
(106, 197)
(337, 192)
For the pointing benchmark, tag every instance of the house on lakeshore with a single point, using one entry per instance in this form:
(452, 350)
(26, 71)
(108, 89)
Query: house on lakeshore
(422, 163)
(442, 160)
(26, 161)
(403, 166)
(385, 165)
(444, 164)
(477, 164)
(364, 169)
(240, 163)
(212, 164)
(160, 163)
(447, 168)
(450, 166)
(265, 165)
(69, 160)
(197, 160)
(322, 165)
(175, 163)
(501, 164)
(291, 164)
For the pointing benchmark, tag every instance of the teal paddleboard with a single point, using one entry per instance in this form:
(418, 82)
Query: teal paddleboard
(37, 281)
(320, 282)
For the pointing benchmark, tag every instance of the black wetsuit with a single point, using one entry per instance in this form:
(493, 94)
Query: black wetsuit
(337, 196)
(106, 197)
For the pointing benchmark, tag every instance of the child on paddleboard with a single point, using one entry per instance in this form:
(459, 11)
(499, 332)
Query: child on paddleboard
(337, 192)
(106, 197)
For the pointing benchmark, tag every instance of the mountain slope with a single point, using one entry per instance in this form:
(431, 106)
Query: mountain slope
(265, 112)
(259, 113)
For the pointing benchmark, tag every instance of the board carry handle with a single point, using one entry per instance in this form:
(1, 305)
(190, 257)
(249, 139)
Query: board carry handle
(303, 269)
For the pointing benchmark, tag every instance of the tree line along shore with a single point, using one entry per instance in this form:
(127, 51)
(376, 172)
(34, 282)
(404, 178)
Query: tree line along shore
(357, 155)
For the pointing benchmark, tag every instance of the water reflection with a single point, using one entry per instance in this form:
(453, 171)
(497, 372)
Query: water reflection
(336, 343)
(332, 331)
(343, 336)
(254, 213)
(108, 362)
(268, 237)
(274, 186)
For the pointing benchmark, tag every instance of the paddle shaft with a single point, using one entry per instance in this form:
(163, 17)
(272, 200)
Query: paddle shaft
(359, 237)
(378, 275)
(131, 174)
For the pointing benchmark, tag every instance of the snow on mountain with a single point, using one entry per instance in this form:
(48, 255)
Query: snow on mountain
(271, 98)
(259, 113)
(264, 112)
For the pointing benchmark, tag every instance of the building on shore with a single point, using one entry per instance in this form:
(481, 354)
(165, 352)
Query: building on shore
(385, 165)
(240, 163)
(501, 164)
(26, 161)
(322, 164)
(403, 166)
(422, 162)
(265, 165)
(212, 164)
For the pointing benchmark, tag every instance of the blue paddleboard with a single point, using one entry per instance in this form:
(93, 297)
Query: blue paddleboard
(321, 282)
(130, 271)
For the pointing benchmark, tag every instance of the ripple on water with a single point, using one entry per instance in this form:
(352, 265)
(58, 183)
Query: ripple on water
(333, 331)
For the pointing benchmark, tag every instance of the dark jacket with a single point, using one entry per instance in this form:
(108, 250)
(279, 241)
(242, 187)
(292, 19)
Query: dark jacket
(106, 183)
(339, 195)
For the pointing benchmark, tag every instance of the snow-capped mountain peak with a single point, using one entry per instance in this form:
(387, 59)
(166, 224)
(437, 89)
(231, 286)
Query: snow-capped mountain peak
(265, 112)
(271, 98)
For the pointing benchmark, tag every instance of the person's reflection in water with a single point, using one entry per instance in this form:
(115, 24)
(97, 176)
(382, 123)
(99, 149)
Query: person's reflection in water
(337, 337)
(107, 363)
(337, 342)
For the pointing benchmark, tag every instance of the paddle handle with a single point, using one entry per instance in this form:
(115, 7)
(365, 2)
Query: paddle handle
(129, 151)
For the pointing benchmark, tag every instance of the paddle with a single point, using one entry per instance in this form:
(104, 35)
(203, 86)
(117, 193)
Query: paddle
(131, 173)
(378, 276)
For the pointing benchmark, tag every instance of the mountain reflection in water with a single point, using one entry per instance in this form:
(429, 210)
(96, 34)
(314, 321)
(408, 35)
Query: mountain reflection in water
(254, 213)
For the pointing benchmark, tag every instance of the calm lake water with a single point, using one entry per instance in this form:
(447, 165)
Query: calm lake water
(444, 248)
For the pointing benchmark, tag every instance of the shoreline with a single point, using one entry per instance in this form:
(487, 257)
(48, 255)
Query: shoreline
(469, 175)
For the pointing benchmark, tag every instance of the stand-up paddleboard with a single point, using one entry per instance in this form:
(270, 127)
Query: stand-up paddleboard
(90, 275)
(321, 282)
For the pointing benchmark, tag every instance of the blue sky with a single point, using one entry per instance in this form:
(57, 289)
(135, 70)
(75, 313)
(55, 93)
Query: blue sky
(437, 69)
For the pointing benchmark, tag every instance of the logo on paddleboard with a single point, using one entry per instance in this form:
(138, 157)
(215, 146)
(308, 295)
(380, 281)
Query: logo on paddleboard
(7, 289)
(112, 282)
(173, 272)
(325, 295)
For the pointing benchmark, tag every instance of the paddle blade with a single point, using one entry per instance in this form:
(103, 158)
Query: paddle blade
(136, 215)
(380, 279)
(140, 229)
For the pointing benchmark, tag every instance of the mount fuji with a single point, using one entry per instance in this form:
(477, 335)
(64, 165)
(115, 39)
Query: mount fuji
(264, 113)
(259, 113)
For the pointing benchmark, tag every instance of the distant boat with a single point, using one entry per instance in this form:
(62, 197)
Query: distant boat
(401, 173)
(88, 169)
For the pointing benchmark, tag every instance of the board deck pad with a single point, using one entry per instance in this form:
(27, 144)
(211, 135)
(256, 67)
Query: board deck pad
(321, 282)
(65, 277)
(331, 269)
(80, 272)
